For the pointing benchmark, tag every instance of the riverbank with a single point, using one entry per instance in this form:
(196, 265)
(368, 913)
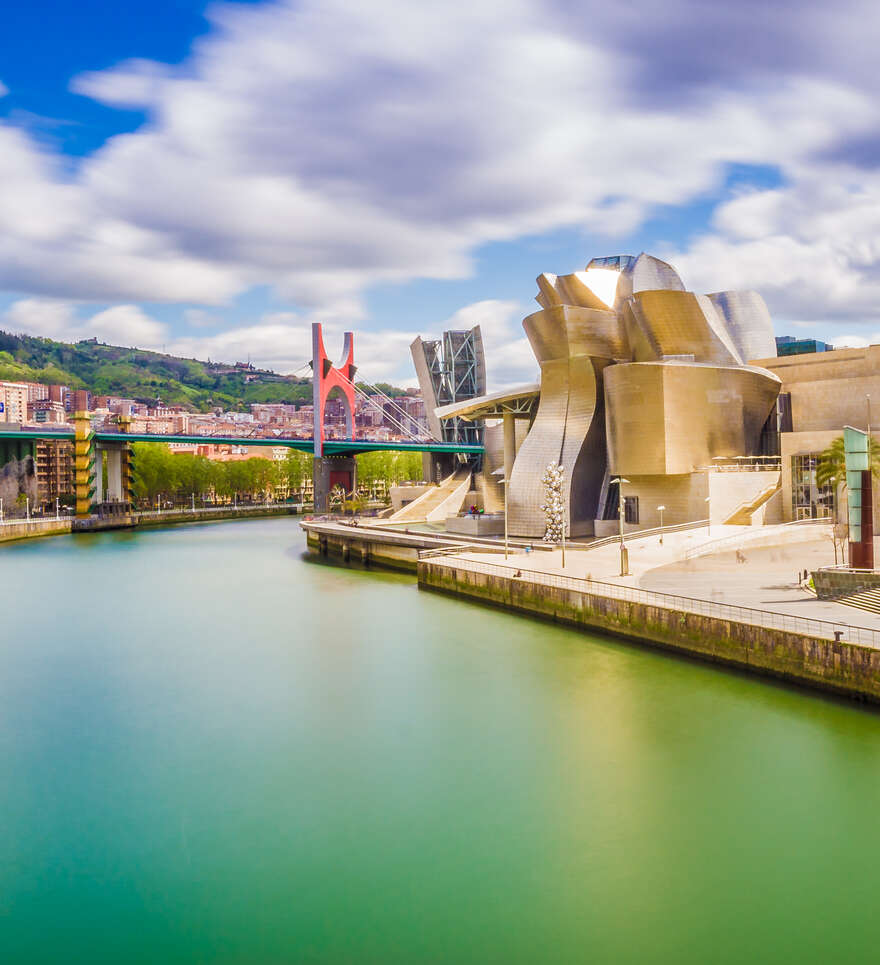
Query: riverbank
(836, 658)
(15, 530)
(30, 528)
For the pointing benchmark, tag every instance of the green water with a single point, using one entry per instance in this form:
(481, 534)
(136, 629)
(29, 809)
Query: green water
(213, 751)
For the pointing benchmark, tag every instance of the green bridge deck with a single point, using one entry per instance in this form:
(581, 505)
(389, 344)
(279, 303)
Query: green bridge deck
(332, 447)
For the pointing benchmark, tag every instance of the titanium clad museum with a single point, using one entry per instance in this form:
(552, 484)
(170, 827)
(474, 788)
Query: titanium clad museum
(680, 394)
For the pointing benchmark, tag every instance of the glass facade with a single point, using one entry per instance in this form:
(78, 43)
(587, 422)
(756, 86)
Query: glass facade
(808, 499)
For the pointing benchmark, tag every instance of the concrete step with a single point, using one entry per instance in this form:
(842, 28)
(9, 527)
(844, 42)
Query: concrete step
(866, 600)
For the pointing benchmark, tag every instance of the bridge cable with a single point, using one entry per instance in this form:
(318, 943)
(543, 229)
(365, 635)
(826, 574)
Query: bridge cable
(400, 426)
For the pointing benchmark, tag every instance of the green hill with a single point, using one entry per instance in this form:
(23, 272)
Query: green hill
(145, 376)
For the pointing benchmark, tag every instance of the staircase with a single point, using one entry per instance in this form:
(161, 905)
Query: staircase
(438, 502)
(742, 515)
(865, 600)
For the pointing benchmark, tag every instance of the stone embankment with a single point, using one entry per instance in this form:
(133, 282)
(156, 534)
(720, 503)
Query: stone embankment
(26, 529)
(170, 517)
(809, 658)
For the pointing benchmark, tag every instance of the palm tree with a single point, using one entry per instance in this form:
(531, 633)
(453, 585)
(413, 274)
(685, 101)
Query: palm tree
(832, 463)
(831, 471)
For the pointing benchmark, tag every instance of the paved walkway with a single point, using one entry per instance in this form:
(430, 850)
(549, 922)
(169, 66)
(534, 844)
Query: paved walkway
(766, 580)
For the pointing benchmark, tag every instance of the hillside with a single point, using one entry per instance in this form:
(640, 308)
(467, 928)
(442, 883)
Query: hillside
(145, 376)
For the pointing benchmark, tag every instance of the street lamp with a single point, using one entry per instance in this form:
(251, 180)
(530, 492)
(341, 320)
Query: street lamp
(660, 511)
(708, 502)
(503, 482)
(624, 555)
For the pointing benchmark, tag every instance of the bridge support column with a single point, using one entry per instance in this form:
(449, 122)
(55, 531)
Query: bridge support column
(83, 464)
(329, 472)
(114, 476)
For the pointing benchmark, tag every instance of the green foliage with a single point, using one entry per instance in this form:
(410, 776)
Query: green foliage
(298, 468)
(141, 375)
(392, 467)
(832, 462)
(178, 475)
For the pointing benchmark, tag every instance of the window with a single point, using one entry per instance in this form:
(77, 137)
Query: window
(631, 509)
(809, 500)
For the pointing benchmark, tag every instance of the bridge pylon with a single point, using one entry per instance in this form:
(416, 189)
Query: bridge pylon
(331, 471)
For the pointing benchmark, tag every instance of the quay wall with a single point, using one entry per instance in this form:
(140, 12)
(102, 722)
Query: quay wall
(55, 527)
(207, 515)
(33, 527)
(369, 549)
(838, 667)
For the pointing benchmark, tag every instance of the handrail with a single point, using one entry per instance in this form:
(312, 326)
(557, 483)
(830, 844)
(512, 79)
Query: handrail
(241, 507)
(752, 534)
(755, 503)
(725, 611)
(639, 533)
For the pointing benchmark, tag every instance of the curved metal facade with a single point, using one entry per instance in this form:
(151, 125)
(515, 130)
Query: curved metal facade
(656, 385)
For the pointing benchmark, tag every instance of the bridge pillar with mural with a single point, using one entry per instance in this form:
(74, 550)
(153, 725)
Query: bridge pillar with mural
(83, 464)
(330, 472)
(90, 461)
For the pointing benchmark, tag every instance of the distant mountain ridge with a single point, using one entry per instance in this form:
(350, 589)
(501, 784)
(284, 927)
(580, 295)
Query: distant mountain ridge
(145, 376)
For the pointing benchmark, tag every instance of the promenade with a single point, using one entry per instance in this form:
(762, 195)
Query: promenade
(763, 578)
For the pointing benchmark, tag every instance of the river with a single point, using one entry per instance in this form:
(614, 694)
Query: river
(213, 750)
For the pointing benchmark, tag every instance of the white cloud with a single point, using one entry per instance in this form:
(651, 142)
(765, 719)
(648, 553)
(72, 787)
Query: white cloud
(4, 90)
(289, 152)
(126, 325)
(811, 248)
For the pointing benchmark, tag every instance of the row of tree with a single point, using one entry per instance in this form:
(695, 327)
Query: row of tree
(162, 474)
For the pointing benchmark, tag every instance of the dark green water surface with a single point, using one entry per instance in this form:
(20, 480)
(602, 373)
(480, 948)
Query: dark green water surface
(214, 751)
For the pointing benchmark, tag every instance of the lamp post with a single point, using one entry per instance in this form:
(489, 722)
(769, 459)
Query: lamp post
(708, 502)
(624, 555)
(506, 547)
(660, 511)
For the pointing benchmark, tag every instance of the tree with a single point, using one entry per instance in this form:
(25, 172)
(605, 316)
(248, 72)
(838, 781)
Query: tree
(831, 471)
(832, 462)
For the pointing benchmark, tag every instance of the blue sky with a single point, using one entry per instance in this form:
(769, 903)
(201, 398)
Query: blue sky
(211, 178)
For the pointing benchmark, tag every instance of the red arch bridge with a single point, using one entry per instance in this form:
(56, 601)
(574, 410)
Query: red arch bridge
(333, 458)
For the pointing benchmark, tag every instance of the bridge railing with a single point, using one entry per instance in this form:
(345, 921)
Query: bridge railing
(825, 629)
(239, 507)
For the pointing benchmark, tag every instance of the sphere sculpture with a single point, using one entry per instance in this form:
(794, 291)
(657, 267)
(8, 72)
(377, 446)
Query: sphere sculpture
(553, 505)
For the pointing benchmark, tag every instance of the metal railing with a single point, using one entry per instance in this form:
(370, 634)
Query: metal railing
(634, 534)
(723, 611)
(240, 507)
(24, 520)
(753, 535)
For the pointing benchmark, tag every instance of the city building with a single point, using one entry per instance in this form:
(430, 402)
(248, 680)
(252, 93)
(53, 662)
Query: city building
(14, 401)
(789, 345)
(53, 462)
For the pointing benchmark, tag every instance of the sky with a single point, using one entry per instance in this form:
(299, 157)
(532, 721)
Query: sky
(208, 179)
